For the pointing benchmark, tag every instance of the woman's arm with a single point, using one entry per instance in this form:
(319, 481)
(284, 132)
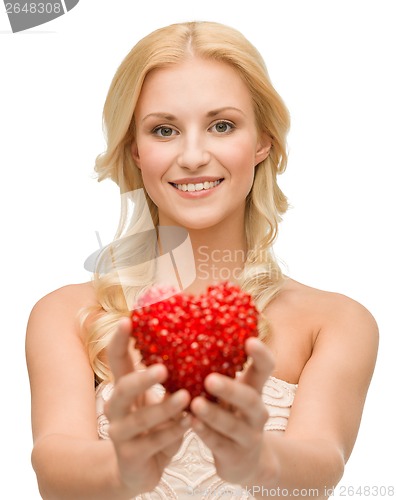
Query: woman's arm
(73, 467)
(325, 417)
(69, 459)
(328, 407)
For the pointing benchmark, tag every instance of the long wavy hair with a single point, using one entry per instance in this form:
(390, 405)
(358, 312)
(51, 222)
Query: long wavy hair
(265, 204)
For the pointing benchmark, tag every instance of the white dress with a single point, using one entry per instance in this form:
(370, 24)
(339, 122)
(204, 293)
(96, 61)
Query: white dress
(191, 474)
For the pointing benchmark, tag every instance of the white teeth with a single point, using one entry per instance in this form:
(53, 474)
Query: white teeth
(197, 187)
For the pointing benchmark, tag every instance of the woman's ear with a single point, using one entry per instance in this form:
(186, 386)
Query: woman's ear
(135, 154)
(264, 145)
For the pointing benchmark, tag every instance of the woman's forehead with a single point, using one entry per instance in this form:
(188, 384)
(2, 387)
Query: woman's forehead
(193, 82)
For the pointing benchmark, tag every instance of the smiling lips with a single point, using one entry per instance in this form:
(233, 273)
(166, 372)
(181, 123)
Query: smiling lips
(196, 187)
(199, 186)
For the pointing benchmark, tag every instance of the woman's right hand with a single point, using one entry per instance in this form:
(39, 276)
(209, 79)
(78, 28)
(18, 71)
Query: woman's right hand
(145, 433)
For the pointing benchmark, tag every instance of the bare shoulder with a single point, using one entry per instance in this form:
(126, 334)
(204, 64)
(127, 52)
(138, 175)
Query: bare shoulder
(324, 307)
(58, 363)
(346, 332)
(66, 299)
(60, 311)
(80, 294)
(306, 321)
(339, 345)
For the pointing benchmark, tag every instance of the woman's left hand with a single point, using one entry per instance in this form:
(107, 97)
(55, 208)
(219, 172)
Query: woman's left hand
(233, 429)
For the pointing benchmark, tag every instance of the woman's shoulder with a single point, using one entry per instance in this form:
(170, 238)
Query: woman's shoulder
(304, 319)
(71, 295)
(321, 304)
(63, 307)
(320, 311)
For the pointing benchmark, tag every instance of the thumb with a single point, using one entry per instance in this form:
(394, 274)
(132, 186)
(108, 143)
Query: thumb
(118, 355)
(261, 366)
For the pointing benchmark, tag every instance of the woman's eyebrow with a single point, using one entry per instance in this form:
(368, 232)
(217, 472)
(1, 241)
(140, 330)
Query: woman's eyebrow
(218, 111)
(163, 116)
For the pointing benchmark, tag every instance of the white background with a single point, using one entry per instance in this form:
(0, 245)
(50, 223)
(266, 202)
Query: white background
(332, 62)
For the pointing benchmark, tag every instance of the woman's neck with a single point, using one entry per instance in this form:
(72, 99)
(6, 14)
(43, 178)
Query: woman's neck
(219, 255)
(217, 252)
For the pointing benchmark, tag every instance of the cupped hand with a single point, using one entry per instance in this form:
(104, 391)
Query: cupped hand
(145, 434)
(233, 429)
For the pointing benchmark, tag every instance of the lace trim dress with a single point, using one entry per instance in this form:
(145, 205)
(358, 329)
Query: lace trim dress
(191, 474)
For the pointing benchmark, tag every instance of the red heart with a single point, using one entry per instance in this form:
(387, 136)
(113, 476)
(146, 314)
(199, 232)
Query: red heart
(195, 336)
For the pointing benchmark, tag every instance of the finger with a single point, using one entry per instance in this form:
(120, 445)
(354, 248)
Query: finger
(244, 399)
(161, 440)
(129, 387)
(261, 366)
(170, 450)
(210, 437)
(216, 418)
(119, 357)
(149, 417)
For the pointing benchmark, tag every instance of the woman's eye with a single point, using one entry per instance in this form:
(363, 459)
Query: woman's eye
(223, 127)
(163, 131)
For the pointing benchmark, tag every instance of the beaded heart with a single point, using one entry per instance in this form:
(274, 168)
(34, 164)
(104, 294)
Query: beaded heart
(195, 336)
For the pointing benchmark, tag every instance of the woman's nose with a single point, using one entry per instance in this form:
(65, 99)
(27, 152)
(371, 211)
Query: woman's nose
(193, 152)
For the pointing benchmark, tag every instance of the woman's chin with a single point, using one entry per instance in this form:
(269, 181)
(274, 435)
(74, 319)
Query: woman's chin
(201, 225)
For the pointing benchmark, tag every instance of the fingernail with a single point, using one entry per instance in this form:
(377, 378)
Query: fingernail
(202, 408)
(256, 343)
(179, 398)
(157, 371)
(216, 383)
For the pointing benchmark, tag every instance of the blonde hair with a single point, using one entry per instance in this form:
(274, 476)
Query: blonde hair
(265, 204)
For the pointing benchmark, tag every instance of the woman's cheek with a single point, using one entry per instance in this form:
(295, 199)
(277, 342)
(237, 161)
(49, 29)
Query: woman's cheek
(238, 158)
(157, 157)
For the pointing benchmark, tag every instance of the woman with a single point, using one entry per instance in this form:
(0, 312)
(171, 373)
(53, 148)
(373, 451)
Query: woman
(192, 120)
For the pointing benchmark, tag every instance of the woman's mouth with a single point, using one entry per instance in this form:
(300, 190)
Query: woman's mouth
(199, 186)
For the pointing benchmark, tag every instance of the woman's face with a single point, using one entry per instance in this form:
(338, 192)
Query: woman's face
(196, 143)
